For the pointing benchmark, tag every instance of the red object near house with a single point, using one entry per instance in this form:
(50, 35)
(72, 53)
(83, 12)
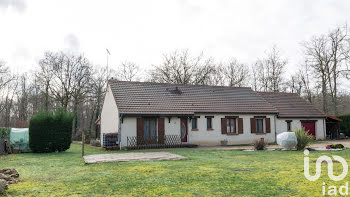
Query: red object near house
(309, 127)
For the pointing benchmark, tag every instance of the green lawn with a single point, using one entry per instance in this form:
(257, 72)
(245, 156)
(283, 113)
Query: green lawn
(204, 173)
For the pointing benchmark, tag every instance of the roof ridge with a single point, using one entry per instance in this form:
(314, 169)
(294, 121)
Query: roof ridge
(175, 84)
(270, 92)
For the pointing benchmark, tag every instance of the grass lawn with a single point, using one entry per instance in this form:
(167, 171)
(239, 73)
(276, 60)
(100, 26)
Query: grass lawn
(204, 173)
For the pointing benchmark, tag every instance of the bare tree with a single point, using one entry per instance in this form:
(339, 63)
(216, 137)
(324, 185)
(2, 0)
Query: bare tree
(44, 78)
(128, 71)
(340, 48)
(320, 58)
(22, 98)
(67, 76)
(182, 68)
(328, 57)
(6, 88)
(304, 74)
(98, 87)
(255, 77)
(217, 78)
(236, 73)
(269, 71)
(7, 102)
(295, 84)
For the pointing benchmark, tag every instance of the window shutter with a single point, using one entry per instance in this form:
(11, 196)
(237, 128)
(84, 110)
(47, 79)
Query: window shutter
(139, 130)
(223, 126)
(252, 125)
(240, 125)
(161, 130)
(268, 128)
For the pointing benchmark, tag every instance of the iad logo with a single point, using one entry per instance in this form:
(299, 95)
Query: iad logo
(330, 167)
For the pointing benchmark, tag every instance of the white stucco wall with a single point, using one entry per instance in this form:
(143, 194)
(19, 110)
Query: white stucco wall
(296, 124)
(203, 136)
(109, 115)
(213, 137)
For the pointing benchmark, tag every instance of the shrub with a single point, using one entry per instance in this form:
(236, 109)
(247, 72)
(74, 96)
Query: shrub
(303, 137)
(259, 144)
(4, 133)
(345, 125)
(50, 132)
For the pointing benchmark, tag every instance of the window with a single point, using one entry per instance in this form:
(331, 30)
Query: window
(259, 125)
(231, 125)
(194, 123)
(149, 128)
(289, 127)
(209, 122)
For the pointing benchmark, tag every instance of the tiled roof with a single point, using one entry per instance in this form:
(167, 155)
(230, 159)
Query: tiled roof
(173, 99)
(291, 105)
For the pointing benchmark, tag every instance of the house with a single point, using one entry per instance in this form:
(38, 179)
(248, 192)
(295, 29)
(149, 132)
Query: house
(203, 115)
(294, 112)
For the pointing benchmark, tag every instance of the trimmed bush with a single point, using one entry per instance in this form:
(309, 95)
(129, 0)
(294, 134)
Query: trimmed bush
(345, 125)
(4, 133)
(303, 137)
(51, 132)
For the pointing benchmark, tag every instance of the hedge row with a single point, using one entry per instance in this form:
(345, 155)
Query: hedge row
(345, 125)
(4, 133)
(51, 132)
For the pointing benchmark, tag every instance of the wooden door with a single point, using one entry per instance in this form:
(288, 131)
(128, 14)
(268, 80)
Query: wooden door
(183, 129)
(309, 127)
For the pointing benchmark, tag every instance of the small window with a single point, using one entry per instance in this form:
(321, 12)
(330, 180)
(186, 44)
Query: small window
(209, 123)
(194, 123)
(231, 125)
(259, 125)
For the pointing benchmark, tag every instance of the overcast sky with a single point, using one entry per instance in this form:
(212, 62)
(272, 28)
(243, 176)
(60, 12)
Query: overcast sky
(142, 30)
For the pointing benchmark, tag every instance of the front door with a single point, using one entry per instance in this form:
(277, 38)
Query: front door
(309, 127)
(183, 129)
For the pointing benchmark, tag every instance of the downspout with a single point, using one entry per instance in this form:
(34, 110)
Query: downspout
(275, 128)
(120, 131)
(324, 130)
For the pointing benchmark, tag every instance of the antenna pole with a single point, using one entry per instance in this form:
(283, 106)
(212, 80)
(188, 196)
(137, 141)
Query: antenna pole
(107, 54)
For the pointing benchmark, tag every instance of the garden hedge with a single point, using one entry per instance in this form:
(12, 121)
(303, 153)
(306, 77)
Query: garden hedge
(51, 132)
(4, 133)
(345, 125)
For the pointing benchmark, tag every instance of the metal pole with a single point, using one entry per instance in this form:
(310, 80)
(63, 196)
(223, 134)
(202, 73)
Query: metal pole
(107, 68)
(107, 53)
(82, 144)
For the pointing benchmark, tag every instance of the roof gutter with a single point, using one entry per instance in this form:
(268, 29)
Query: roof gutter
(153, 115)
(284, 116)
(236, 112)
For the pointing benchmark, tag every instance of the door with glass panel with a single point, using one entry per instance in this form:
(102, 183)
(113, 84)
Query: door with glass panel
(183, 129)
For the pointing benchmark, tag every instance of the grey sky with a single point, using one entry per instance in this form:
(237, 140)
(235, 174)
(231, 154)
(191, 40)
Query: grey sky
(142, 30)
